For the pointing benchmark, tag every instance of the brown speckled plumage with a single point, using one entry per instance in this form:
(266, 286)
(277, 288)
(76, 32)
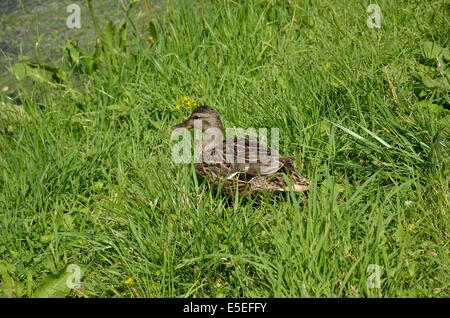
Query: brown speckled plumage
(239, 163)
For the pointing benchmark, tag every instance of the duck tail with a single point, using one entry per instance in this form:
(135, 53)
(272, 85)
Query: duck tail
(288, 159)
(297, 177)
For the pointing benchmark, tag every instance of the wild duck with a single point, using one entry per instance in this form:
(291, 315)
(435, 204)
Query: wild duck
(239, 163)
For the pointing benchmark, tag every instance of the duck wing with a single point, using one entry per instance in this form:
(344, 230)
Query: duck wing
(243, 156)
(251, 156)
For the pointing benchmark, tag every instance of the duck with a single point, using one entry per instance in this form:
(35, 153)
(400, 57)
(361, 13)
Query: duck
(239, 164)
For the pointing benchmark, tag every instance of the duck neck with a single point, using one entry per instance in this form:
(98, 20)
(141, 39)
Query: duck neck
(212, 137)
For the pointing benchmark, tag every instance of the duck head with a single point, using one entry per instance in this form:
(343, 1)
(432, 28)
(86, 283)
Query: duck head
(203, 118)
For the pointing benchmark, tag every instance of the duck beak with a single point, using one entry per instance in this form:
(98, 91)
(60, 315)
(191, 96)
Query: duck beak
(183, 125)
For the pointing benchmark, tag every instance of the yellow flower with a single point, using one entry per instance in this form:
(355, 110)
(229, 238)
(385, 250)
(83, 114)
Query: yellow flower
(178, 107)
(129, 281)
(186, 101)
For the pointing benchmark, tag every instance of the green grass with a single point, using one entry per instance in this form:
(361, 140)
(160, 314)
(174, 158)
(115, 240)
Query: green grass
(86, 175)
